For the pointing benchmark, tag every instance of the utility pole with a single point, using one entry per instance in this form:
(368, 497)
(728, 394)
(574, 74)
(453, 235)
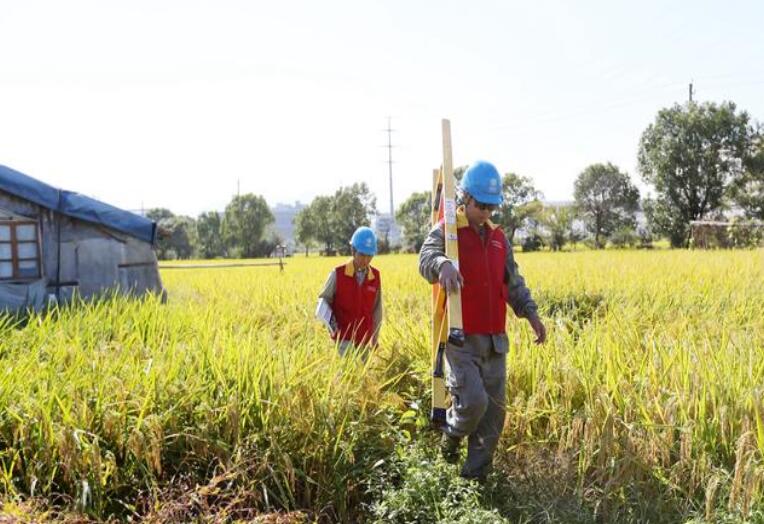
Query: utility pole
(690, 92)
(390, 165)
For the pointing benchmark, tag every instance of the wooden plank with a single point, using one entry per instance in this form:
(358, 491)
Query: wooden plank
(455, 328)
(438, 335)
(446, 311)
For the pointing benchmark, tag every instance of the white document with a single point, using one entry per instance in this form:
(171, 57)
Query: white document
(325, 314)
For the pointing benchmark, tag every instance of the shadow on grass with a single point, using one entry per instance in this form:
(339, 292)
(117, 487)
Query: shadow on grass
(543, 487)
(537, 487)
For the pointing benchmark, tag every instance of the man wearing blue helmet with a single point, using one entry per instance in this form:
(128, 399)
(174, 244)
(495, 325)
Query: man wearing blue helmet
(353, 290)
(489, 280)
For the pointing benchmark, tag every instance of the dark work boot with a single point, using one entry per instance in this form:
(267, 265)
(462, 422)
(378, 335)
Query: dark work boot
(449, 448)
(480, 479)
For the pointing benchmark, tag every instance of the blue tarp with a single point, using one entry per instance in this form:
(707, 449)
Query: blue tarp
(76, 205)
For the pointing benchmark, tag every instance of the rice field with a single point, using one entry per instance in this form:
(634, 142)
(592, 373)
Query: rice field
(229, 402)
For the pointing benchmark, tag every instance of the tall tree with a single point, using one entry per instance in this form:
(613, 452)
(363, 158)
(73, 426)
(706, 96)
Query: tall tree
(321, 216)
(209, 234)
(606, 200)
(521, 203)
(176, 238)
(351, 208)
(331, 220)
(748, 190)
(414, 216)
(244, 222)
(691, 154)
(183, 239)
(305, 227)
(558, 221)
(158, 213)
(271, 243)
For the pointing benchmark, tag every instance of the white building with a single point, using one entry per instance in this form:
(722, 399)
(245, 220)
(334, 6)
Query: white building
(283, 225)
(385, 226)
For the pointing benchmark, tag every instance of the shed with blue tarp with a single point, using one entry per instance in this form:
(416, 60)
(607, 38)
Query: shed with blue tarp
(58, 243)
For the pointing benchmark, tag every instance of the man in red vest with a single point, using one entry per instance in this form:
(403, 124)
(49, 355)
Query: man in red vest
(354, 292)
(489, 280)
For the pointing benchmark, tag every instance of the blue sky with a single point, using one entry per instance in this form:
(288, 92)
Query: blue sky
(172, 103)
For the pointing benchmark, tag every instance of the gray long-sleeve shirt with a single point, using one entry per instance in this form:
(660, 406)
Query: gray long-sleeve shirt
(433, 255)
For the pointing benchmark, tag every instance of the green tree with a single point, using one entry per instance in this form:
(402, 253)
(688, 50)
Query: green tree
(691, 154)
(558, 222)
(270, 243)
(748, 190)
(176, 235)
(305, 228)
(244, 222)
(321, 216)
(176, 238)
(185, 242)
(606, 200)
(521, 203)
(158, 213)
(351, 208)
(209, 234)
(331, 220)
(624, 236)
(414, 216)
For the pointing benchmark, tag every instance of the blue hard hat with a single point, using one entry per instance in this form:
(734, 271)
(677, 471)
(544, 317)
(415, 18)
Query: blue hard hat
(483, 182)
(364, 241)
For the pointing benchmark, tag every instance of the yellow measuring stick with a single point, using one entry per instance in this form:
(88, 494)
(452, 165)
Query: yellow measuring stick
(446, 311)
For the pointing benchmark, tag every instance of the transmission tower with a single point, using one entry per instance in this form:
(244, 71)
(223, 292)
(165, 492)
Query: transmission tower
(390, 164)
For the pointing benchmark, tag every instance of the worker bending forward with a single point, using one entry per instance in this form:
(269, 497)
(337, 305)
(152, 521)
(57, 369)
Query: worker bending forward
(489, 280)
(354, 292)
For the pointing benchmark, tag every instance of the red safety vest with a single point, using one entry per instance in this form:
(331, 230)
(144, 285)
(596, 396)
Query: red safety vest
(484, 295)
(353, 304)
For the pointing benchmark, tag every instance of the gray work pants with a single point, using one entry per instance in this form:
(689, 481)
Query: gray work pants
(347, 347)
(476, 378)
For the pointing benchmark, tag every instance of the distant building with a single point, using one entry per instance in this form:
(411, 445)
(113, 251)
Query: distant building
(385, 226)
(283, 225)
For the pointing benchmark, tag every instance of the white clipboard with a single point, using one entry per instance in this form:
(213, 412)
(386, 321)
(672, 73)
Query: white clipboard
(325, 314)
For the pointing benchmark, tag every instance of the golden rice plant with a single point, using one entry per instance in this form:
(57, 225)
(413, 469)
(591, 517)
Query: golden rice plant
(651, 380)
